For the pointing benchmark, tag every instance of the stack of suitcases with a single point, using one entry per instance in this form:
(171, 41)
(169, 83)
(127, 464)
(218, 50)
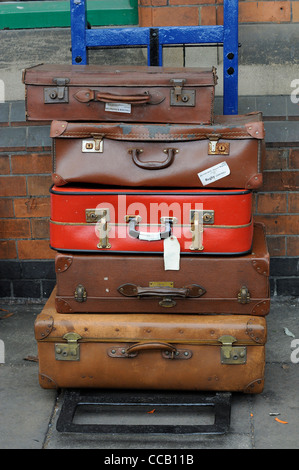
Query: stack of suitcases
(162, 273)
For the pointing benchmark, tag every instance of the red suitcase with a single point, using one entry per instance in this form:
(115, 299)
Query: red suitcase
(105, 220)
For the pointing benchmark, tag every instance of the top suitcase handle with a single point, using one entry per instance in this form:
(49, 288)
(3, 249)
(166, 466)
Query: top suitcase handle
(153, 165)
(86, 95)
(133, 220)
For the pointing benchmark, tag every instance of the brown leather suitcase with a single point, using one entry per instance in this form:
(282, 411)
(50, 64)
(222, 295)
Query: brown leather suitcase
(164, 351)
(202, 285)
(226, 154)
(119, 93)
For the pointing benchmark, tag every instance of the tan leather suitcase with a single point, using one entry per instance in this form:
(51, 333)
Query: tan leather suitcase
(226, 154)
(164, 351)
(140, 283)
(119, 93)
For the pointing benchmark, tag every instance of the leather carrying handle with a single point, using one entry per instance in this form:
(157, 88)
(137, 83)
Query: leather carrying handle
(132, 290)
(153, 165)
(149, 346)
(86, 95)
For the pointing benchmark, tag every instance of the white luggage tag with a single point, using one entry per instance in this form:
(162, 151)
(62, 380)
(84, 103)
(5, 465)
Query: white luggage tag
(172, 251)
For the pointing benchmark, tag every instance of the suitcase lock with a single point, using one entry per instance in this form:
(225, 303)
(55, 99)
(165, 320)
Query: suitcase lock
(179, 96)
(69, 351)
(230, 354)
(57, 94)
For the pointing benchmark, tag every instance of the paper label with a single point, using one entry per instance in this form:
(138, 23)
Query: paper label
(214, 173)
(149, 236)
(118, 107)
(171, 254)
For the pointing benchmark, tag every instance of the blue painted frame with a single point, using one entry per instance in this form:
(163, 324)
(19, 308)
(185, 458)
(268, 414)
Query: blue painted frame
(83, 38)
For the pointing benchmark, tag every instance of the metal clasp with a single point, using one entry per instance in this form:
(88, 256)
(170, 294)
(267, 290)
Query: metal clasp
(94, 145)
(57, 94)
(69, 351)
(217, 148)
(180, 97)
(197, 219)
(244, 295)
(230, 354)
(80, 293)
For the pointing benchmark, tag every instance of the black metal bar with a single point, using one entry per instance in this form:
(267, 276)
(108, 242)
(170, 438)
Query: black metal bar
(154, 56)
(221, 403)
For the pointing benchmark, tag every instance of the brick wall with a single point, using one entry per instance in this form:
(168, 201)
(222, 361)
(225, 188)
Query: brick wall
(210, 12)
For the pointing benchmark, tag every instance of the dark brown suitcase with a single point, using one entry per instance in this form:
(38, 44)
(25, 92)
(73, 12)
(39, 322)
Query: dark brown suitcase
(226, 154)
(164, 351)
(119, 93)
(202, 285)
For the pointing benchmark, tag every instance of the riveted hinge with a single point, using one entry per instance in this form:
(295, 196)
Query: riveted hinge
(69, 351)
(230, 354)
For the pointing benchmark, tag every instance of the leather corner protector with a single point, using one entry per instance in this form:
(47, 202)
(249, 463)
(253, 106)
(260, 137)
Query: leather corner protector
(261, 267)
(256, 130)
(47, 382)
(62, 306)
(62, 263)
(255, 181)
(57, 128)
(58, 180)
(261, 308)
(256, 331)
(43, 326)
(256, 386)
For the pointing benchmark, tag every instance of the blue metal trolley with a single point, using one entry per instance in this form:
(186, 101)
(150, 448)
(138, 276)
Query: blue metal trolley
(154, 39)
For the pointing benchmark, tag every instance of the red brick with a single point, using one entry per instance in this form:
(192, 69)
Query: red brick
(8, 249)
(280, 224)
(263, 12)
(280, 181)
(271, 203)
(294, 159)
(32, 207)
(292, 246)
(4, 165)
(14, 228)
(276, 246)
(276, 159)
(12, 186)
(190, 2)
(295, 11)
(294, 202)
(208, 15)
(40, 228)
(32, 163)
(39, 185)
(145, 16)
(6, 208)
(35, 249)
(179, 16)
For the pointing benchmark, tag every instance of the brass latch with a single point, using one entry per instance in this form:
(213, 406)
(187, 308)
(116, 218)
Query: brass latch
(217, 148)
(94, 145)
(69, 351)
(101, 218)
(58, 94)
(230, 354)
(244, 295)
(198, 218)
(80, 294)
(180, 96)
